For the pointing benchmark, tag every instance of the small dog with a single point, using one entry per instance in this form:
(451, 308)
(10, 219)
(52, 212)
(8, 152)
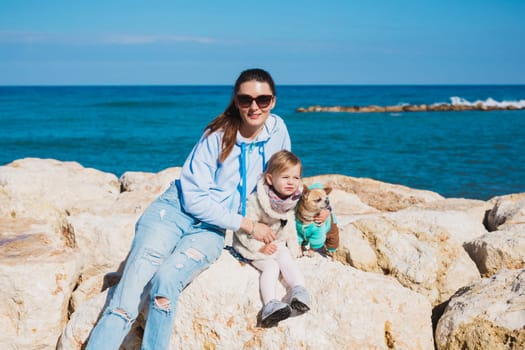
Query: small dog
(323, 237)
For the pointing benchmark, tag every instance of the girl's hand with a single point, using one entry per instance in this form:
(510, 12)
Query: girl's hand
(321, 218)
(268, 249)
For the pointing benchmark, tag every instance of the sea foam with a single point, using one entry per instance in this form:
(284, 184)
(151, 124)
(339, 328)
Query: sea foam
(489, 102)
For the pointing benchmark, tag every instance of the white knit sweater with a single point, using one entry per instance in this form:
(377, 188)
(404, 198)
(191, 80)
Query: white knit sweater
(259, 209)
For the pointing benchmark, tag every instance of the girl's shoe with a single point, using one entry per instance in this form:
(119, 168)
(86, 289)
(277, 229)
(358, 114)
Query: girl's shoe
(300, 299)
(273, 312)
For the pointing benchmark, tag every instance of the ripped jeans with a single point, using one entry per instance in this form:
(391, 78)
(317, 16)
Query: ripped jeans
(169, 250)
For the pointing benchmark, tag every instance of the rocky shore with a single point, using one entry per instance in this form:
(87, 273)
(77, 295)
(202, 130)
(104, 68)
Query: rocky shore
(414, 271)
(438, 107)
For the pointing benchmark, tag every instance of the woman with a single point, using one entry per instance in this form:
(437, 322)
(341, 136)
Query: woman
(182, 232)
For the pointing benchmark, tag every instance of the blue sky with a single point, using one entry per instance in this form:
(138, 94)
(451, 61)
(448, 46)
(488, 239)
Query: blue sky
(300, 42)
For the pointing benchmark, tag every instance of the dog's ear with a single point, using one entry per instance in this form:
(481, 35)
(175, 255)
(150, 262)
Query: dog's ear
(305, 191)
(328, 189)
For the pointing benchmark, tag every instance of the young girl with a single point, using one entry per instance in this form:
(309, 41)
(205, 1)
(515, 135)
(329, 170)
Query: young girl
(273, 203)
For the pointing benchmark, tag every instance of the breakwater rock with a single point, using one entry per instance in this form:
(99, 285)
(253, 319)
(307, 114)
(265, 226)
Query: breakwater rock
(438, 107)
(414, 270)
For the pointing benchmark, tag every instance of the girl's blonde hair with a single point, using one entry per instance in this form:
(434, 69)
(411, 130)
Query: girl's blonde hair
(281, 161)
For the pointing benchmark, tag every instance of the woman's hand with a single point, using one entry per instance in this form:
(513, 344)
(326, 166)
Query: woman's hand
(263, 233)
(321, 218)
(260, 232)
(268, 249)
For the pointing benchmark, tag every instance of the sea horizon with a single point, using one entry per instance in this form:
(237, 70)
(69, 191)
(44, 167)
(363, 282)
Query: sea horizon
(279, 85)
(118, 128)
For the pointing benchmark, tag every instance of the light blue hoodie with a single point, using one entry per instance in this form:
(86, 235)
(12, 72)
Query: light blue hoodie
(215, 193)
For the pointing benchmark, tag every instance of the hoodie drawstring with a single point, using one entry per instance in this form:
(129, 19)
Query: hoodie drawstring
(243, 179)
(263, 155)
(244, 170)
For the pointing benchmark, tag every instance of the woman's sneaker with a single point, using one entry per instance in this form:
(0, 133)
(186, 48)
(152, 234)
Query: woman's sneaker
(273, 312)
(300, 299)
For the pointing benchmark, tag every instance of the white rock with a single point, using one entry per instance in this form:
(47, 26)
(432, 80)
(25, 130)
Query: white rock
(81, 323)
(497, 250)
(356, 250)
(63, 224)
(376, 194)
(459, 225)
(219, 311)
(488, 314)
(103, 241)
(508, 210)
(154, 183)
(423, 255)
(37, 279)
(39, 266)
(66, 185)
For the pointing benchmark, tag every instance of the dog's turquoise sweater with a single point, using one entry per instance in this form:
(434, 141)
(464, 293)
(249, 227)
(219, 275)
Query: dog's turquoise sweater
(314, 234)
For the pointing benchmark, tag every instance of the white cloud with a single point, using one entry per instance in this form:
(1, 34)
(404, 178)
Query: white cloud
(20, 37)
(134, 39)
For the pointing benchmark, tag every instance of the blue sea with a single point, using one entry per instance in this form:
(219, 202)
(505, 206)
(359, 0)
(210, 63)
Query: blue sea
(470, 154)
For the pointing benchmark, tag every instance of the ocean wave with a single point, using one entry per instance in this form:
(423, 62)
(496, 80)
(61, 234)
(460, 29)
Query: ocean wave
(489, 102)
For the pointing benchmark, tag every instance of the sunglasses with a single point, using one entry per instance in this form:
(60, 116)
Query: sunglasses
(262, 101)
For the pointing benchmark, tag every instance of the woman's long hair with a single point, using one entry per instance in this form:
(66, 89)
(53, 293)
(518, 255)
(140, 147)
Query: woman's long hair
(230, 120)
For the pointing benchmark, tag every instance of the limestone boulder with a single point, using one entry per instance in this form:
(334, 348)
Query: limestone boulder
(139, 189)
(154, 183)
(81, 322)
(37, 273)
(219, 311)
(376, 194)
(88, 288)
(104, 238)
(475, 209)
(487, 314)
(39, 264)
(66, 185)
(460, 225)
(504, 246)
(422, 249)
(66, 230)
(19, 216)
(103, 241)
(497, 250)
(355, 250)
(507, 211)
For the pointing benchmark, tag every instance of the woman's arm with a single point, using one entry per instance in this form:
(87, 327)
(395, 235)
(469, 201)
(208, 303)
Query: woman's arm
(198, 180)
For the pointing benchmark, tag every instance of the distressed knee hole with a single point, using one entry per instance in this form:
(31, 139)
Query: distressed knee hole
(155, 258)
(163, 303)
(122, 314)
(194, 254)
